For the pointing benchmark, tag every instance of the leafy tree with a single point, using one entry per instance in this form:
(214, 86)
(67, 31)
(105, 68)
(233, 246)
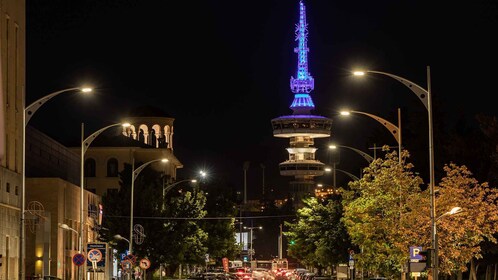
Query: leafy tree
(220, 227)
(318, 238)
(460, 236)
(172, 235)
(374, 211)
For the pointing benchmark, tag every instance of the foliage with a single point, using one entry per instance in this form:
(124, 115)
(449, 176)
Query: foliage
(172, 235)
(460, 236)
(221, 209)
(374, 213)
(318, 237)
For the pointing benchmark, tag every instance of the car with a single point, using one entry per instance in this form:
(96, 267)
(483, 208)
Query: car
(261, 274)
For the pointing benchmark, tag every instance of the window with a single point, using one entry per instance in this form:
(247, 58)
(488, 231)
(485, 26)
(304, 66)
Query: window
(7, 188)
(17, 190)
(90, 167)
(112, 167)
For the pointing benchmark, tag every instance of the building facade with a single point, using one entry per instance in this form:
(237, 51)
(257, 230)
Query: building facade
(12, 84)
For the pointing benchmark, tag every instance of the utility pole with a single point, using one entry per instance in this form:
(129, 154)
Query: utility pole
(280, 243)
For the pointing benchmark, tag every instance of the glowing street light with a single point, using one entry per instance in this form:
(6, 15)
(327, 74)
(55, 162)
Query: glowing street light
(134, 175)
(425, 97)
(29, 111)
(366, 156)
(85, 143)
(395, 130)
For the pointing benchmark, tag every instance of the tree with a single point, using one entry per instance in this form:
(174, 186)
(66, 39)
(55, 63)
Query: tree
(221, 209)
(317, 237)
(461, 236)
(172, 235)
(375, 209)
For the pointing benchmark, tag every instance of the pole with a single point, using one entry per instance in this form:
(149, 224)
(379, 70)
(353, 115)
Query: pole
(22, 231)
(280, 243)
(399, 135)
(82, 187)
(131, 203)
(432, 179)
(334, 174)
(250, 251)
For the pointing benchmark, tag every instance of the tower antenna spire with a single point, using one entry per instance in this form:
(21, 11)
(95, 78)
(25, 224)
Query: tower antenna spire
(304, 83)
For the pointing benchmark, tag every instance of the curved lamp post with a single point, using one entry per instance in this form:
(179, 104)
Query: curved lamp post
(134, 175)
(425, 97)
(119, 237)
(28, 114)
(366, 156)
(85, 143)
(328, 169)
(395, 130)
(251, 228)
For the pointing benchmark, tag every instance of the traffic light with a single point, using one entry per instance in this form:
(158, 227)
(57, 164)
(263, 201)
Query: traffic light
(292, 242)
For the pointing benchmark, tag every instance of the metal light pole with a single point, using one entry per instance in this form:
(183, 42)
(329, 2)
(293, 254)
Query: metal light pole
(85, 143)
(424, 96)
(28, 113)
(134, 175)
(66, 227)
(395, 130)
(251, 229)
(366, 156)
(170, 186)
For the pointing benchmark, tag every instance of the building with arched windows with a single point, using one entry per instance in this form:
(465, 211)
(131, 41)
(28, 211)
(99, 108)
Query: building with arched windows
(149, 137)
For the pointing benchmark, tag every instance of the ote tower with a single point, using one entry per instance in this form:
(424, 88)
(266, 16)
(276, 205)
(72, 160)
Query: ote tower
(301, 128)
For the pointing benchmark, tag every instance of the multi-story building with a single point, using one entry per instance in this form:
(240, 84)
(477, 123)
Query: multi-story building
(301, 128)
(12, 84)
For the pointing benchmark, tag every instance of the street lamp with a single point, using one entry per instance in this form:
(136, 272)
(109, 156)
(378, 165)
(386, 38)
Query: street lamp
(85, 143)
(251, 251)
(170, 186)
(328, 169)
(119, 237)
(68, 228)
(28, 113)
(395, 130)
(134, 175)
(366, 156)
(424, 96)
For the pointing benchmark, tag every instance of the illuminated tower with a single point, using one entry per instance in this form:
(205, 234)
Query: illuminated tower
(301, 127)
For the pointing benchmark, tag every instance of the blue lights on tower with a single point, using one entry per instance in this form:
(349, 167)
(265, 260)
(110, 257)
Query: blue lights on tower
(304, 83)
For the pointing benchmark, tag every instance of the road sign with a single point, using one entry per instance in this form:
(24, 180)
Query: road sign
(206, 257)
(97, 249)
(144, 263)
(131, 258)
(79, 259)
(351, 264)
(126, 265)
(414, 253)
(94, 255)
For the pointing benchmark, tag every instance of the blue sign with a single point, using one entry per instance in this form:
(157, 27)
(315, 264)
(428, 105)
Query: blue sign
(414, 253)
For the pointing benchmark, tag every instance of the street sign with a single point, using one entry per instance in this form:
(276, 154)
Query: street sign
(79, 259)
(414, 253)
(126, 265)
(415, 274)
(131, 258)
(94, 255)
(144, 263)
(206, 256)
(351, 264)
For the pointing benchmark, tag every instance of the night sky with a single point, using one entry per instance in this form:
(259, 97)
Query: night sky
(222, 70)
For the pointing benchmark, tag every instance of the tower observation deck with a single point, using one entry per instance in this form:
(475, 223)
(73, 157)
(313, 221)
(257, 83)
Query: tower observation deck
(302, 127)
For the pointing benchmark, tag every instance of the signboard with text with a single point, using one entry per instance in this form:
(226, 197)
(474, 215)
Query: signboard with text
(96, 253)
